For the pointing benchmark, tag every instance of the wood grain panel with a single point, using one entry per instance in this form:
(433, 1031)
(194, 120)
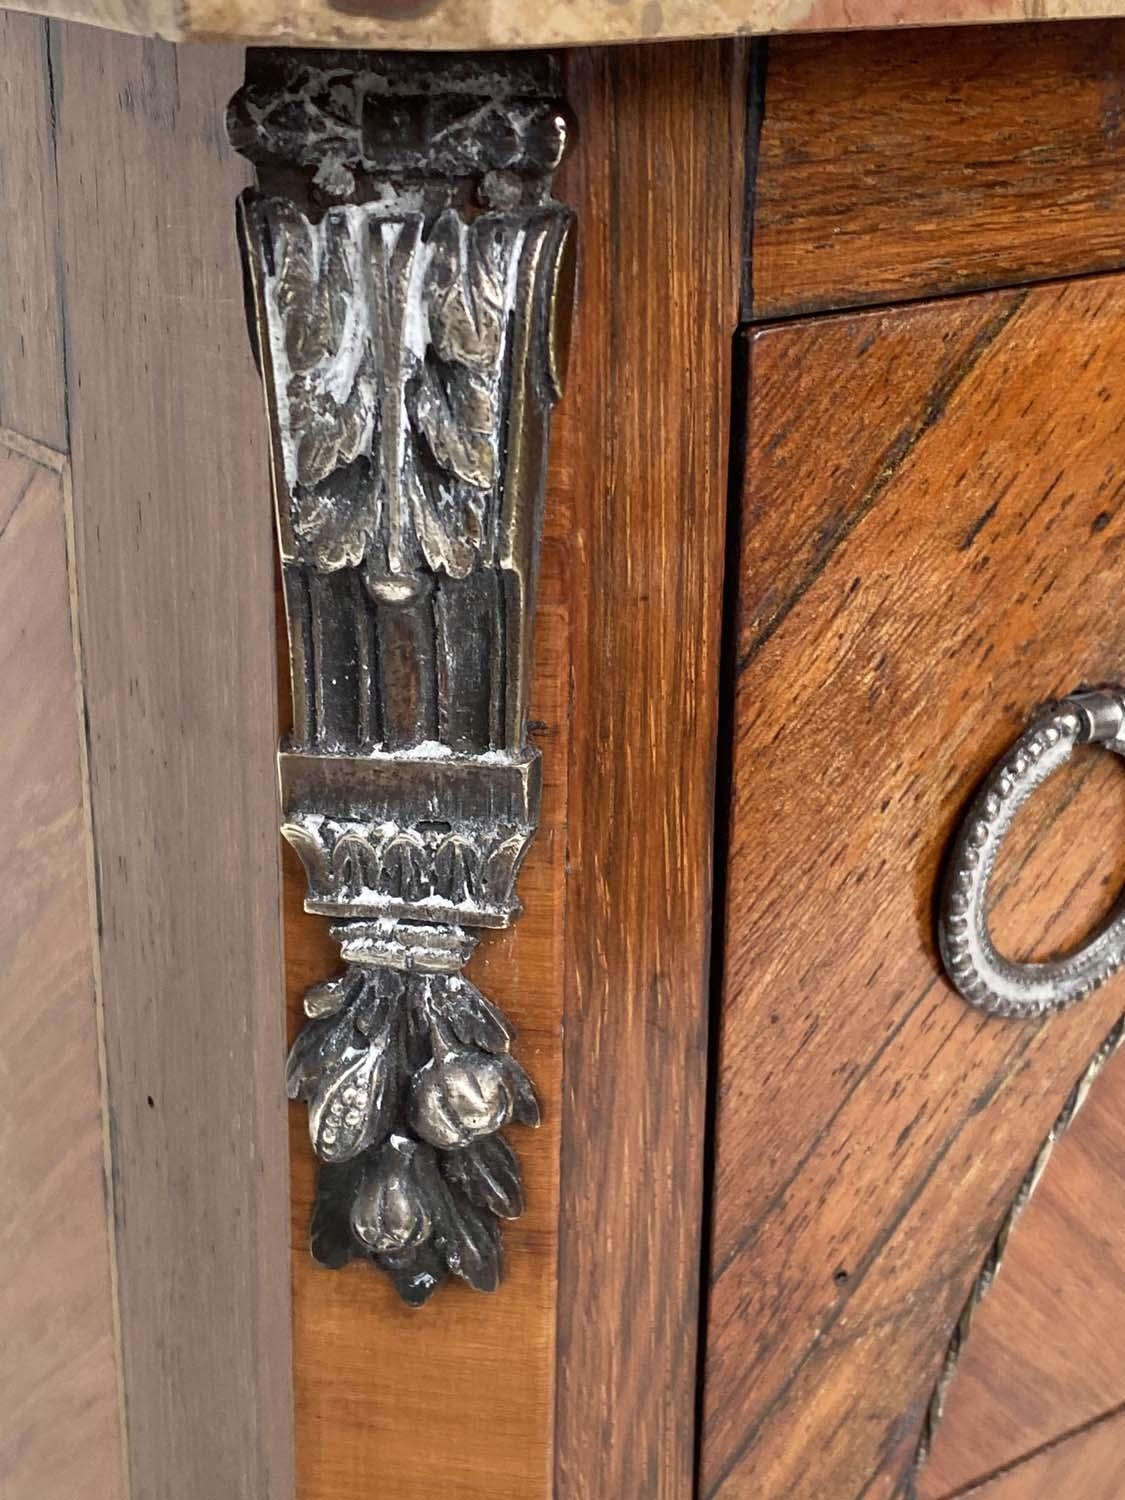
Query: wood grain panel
(58, 1382)
(1042, 1359)
(174, 554)
(872, 1128)
(641, 450)
(614, 932)
(32, 379)
(1089, 1465)
(900, 164)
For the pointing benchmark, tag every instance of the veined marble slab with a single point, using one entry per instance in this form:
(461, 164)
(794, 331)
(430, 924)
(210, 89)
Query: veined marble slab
(467, 25)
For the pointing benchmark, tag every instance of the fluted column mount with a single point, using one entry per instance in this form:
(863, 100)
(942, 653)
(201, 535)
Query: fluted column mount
(411, 279)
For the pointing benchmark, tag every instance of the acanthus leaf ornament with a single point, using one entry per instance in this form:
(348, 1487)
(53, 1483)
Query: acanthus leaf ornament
(411, 278)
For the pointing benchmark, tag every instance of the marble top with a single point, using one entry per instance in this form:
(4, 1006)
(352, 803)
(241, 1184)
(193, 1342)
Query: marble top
(465, 25)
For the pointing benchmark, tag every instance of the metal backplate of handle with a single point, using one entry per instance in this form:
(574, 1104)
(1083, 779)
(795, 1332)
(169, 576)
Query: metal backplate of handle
(982, 975)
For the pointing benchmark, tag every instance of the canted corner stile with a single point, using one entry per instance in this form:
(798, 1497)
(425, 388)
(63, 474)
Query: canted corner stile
(411, 280)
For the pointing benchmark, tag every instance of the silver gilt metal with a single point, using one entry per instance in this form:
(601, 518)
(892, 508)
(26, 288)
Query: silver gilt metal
(410, 280)
(983, 976)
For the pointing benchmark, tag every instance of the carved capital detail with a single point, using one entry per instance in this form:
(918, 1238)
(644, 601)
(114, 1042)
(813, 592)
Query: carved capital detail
(411, 279)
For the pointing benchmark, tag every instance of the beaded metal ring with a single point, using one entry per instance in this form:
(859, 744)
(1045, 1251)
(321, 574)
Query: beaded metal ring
(983, 976)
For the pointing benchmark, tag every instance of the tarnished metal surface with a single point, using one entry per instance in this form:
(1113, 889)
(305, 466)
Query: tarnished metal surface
(411, 278)
(983, 976)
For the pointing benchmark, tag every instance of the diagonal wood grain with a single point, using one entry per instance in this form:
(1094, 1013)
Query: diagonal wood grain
(872, 1128)
(174, 568)
(58, 1381)
(1039, 1363)
(1089, 1465)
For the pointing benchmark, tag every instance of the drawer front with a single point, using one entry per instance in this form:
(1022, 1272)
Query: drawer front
(893, 164)
(931, 539)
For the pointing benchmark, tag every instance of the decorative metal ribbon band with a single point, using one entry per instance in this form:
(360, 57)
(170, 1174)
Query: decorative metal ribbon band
(411, 281)
(982, 976)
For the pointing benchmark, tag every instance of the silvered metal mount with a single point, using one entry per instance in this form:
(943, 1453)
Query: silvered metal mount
(411, 279)
(983, 976)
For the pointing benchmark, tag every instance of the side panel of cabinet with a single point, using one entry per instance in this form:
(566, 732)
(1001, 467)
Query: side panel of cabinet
(32, 370)
(932, 534)
(143, 1287)
(174, 573)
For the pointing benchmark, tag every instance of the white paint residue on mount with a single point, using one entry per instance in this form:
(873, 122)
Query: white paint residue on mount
(336, 374)
(434, 750)
(374, 322)
(416, 319)
(282, 374)
(337, 377)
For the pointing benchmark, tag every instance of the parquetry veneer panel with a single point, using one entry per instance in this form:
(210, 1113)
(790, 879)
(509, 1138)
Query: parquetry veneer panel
(872, 1128)
(1088, 1466)
(60, 1428)
(174, 571)
(1043, 1359)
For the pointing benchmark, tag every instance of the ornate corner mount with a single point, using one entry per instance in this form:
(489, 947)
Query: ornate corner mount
(411, 279)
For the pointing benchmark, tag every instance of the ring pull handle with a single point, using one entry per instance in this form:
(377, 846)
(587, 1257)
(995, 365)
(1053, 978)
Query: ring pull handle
(983, 976)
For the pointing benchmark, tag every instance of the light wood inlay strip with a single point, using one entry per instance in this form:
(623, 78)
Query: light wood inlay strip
(36, 453)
